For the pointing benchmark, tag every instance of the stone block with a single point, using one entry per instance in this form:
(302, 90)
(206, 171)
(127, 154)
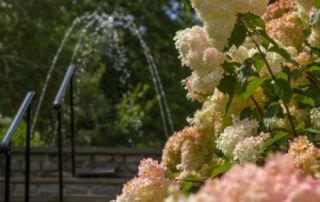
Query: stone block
(102, 190)
(76, 189)
(48, 189)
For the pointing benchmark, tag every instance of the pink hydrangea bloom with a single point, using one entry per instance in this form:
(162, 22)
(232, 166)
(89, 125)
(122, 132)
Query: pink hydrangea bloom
(277, 181)
(150, 185)
(287, 29)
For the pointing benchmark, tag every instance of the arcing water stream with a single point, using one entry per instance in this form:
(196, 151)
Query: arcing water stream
(109, 24)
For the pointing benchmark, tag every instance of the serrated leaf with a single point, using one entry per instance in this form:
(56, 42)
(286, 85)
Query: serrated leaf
(252, 86)
(222, 169)
(306, 100)
(282, 89)
(227, 86)
(238, 35)
(253, 21)
(274, 139)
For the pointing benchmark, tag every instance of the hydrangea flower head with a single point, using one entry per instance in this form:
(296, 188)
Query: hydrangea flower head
(278, 181)
(150, 185)
(234, 134)
(189, 151)
(219, 17)
(305, 156)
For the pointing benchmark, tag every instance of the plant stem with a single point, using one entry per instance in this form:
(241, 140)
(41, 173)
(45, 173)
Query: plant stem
(257, 105)
(274, 78)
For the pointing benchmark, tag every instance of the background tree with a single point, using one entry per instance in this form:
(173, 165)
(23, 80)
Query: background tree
(30, 34)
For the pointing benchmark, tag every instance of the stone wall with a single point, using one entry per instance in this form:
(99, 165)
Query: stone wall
(44, 161)
(44, 167)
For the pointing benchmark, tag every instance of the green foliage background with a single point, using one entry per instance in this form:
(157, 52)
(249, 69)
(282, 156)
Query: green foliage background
(30, 34)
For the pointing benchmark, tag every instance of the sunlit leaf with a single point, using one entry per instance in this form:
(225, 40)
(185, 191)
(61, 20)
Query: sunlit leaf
(222, 169)
(252, 86)
(283, 90)
(274, 139)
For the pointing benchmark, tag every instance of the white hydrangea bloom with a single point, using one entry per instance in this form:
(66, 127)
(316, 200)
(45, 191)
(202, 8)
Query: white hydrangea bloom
(234, 134)
(249, 149)
(315, 117)
(196, 52)
(219, 17)
(203, 59)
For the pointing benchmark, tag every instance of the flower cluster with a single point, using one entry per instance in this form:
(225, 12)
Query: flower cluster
(203, 59)
(241, 142)
(190, 152)
(278, 9)
(306, 10)
(219, 17)
(287, 25)
(305, 156)
(278, 181)
(150, 185)
(212, 115)
(266, 81)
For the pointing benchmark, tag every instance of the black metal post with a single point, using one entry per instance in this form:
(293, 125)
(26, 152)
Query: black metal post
(7, 177)
(27, 163)
(73, 158)
(59, 130)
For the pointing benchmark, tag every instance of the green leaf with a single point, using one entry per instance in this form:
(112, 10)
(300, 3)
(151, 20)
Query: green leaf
(227, 86)
(296, 74)
(252, 86)
(274, 139)
(222, 169)
(238, 35)
(317, 3)
(306, 100)
(280, 51)
(246, 70)
(272, 111)
(315, 71)
(311, 130)
(259, 62)
(246, 113)
(228, 67)
(282, 75)
(253, 21)
(301, 126)
(186, 186)
(283, 90)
